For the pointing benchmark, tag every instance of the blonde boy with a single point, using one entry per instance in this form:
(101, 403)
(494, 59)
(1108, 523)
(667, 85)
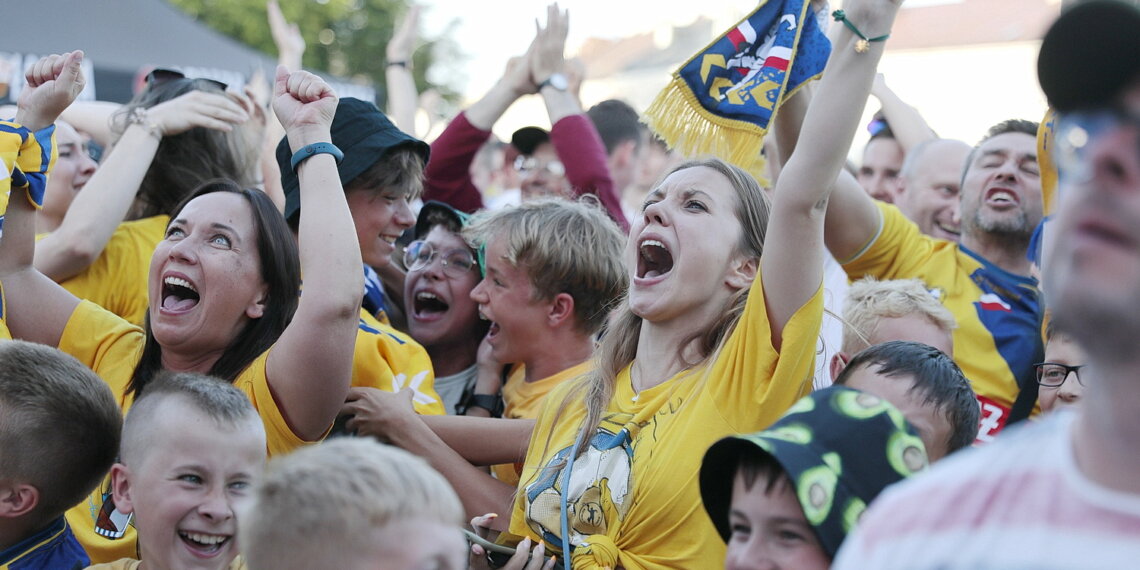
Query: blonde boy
(353, 504)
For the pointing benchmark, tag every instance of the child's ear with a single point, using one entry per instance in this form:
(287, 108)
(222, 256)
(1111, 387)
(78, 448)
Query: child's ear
(561, 309)
(838, 363)
(17, 499)
(121, 488)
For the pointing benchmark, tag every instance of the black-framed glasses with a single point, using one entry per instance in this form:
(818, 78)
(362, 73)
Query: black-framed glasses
(1075, 133)
(420, 254)
(160, 76)
(1053, 374)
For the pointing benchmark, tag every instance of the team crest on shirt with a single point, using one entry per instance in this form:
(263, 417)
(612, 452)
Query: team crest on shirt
(597, 494)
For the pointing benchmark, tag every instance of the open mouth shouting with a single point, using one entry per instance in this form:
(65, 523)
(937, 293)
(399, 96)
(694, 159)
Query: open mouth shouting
(203, 544)
(428, 306)
(179, 295)
(653, 259)
(1001, 198)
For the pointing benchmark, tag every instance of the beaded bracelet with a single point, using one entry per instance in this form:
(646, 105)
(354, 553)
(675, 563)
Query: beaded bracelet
(138, 116)
(864, 42)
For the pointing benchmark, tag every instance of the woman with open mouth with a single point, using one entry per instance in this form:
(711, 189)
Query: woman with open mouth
(223, 299)
(716, 336)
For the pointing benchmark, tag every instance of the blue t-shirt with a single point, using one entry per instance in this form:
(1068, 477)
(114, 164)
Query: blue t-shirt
(53, 547)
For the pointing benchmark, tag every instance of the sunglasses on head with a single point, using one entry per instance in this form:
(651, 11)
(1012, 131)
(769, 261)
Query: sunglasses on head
(161, 76)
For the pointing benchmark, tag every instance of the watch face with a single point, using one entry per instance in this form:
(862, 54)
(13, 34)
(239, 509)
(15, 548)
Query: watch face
(557, 81)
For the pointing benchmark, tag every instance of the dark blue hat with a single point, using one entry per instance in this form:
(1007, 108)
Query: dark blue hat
(363, 134)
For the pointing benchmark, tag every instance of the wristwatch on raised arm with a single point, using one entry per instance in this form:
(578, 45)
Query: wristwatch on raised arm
(557, 81)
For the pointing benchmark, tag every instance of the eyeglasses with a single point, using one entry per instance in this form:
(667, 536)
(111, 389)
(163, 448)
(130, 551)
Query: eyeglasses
(420, 254)
(1053, 374)
(1075, 133)
(161, 76)
(526, 164)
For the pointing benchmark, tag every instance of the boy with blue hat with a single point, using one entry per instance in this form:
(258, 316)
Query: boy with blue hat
(382, 171)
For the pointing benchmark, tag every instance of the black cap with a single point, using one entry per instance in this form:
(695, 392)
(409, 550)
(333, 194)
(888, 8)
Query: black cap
(527, 139)
(1089, 54)
(422, 226)
(363, 134)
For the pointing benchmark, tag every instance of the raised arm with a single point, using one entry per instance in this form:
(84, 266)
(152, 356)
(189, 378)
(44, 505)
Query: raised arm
(36, 308)
(403, 100)
(104, 201)
(447, 175)
(793, 255)
(310, 366)
(907, 124)
(290, 51)
(93, 118)
(852, 217)
(575, 138)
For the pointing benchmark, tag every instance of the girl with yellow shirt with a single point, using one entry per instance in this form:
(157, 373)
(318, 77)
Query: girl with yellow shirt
(717, 336)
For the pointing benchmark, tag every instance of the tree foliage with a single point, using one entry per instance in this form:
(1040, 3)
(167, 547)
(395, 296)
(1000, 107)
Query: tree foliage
(343, 37)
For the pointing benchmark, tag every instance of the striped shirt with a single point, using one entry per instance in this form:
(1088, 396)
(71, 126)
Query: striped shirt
(1020, 502)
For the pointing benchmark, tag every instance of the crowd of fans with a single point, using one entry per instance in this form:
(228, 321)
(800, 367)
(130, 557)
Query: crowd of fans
(576, 349)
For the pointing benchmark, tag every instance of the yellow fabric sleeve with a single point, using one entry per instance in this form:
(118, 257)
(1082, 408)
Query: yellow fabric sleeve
(390, 360)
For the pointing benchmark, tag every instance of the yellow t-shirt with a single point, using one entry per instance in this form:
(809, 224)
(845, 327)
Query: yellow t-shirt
(111, 347)
(523, 400)
(634, 499)
(998, 336)
(384, 358)
(390, 360)
(132, 564)
(118, 279)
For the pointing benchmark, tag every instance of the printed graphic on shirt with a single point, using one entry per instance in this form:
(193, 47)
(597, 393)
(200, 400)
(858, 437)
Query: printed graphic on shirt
(110, 522)
(598, 493)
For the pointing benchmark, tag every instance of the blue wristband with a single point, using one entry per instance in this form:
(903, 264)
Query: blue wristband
(311, 150)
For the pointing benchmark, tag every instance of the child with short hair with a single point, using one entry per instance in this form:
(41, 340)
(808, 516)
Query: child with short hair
(1059, 381)
(192, 448)
(353, 504)
(59, 432)
(789, 495)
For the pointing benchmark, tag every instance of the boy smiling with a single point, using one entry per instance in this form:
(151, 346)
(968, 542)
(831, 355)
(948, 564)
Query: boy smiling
(192, 447)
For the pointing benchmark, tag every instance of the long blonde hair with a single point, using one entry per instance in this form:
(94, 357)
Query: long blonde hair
(618, 347)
